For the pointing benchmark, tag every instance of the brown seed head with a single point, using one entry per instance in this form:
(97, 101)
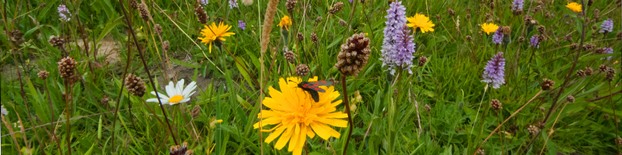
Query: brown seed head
(427, 107)
(290, 57)
(619, 141)
(57, 42)
(158, 29)
(66, 67)
(180, 149)
(290, 5)
(496, 104)
(521, 39)
(166, 45)
(533, 129)
(603, 68)
(314, 37)
(200, 13)
(300, 36)
(195, 111)
(133, 4)
(302, 70)
(451, 12)
(343, 23)
(423, 60)
(336, 8)
(353, 55)
(17, 37)
(135, 85)
(43, 74)
(541, 29)
(144, 11)
(506, 30)
(580, 73)
(480, 151)
(588, 71)
(610, 74)
(547, 84)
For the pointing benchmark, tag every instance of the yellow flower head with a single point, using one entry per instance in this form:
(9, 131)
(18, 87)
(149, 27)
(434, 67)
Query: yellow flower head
(285, 23)
(215, 33)
(489, 27)
(574, 6)
(422, 22)
(294, 115)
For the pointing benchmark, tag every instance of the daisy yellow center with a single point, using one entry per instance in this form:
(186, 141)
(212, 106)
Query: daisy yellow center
(175, 99)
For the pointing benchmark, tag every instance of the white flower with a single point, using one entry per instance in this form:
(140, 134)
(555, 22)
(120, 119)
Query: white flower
(176, 93)
(4, 111)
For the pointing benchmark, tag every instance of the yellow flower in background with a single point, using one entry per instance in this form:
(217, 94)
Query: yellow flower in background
(422, 22)
(575, 7)
(489, 27)
(215, 33)
(285, 23)
(294, 115)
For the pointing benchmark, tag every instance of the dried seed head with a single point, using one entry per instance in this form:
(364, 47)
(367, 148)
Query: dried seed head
(547, 84)
(180, 149)
(496, 104)
(158, 29)
(17, 37)
(451, 12)
(568, 37)
(302, 70)
(133, 4)
(135, 85)
(603, 68)
(541, 29)
(423, 60)
(336, 8)
(506, 30)
(195, 111)
(43, 74)
(427, 107)
(619, 36)
(353, 55)
(66, 67)
(596, 14)
(104, 101)
(57, 42)
(290, 5)
(144, 11)
(521, 39)
(588, 47)
(529, 20)
(200, 13)
(469, 38)
(318, 19)
(314, 37)
(580, 73)
(588, 71)
(165, 45)
(610, 74)
(300, 36)
(290, 57)
(570, 99)
(533, 129)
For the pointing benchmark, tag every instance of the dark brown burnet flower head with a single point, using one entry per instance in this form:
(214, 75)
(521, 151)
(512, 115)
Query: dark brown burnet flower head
(135, 85)
(496, 104)
(302, 70)
(354, 55)
(180, 149)
(290, 56)
(66, 67)
(547, 84)
(336, 8)
(43, 74)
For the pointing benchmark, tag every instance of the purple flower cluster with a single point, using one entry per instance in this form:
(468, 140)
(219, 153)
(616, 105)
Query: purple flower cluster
(534, 41)
(607, 26)
(241, 24)
(494, 71)
(607, 50)
(233, 4)
(203, 2)
(397, 46)
(64, 13)
(497, 38)
(517, 5)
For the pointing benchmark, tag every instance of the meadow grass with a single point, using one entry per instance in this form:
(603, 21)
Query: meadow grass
(443, 107)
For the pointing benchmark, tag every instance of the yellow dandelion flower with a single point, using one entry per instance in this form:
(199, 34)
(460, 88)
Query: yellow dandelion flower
(285, 23)
(215, 33)
(422, 22)
(294, 115)
(575, 7)
(489, 27)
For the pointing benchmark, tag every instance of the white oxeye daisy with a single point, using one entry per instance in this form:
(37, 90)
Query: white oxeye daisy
(176, 93)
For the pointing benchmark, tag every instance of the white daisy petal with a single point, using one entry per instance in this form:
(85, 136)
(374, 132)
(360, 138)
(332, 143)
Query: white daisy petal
(169, 88)
(190, 88)
(184, 100)
(152, 100)
(180, 86)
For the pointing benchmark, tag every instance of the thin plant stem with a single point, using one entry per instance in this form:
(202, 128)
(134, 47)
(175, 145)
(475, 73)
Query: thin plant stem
(12, 132)
(347, 103)
(507, 119)
(52, 119)
(67, 99)
(479, 108)
(552, 129)
(146, 67)
(116, 109)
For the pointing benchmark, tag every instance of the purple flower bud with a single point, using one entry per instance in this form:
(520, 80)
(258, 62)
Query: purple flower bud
(517, 5)
(607, 50)
(203, 2)
(64, 13)
(497, 38)
(494, 71)
(535, 41)
(398, 45)
(241, 24)
(233, 4)
(607, 26)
